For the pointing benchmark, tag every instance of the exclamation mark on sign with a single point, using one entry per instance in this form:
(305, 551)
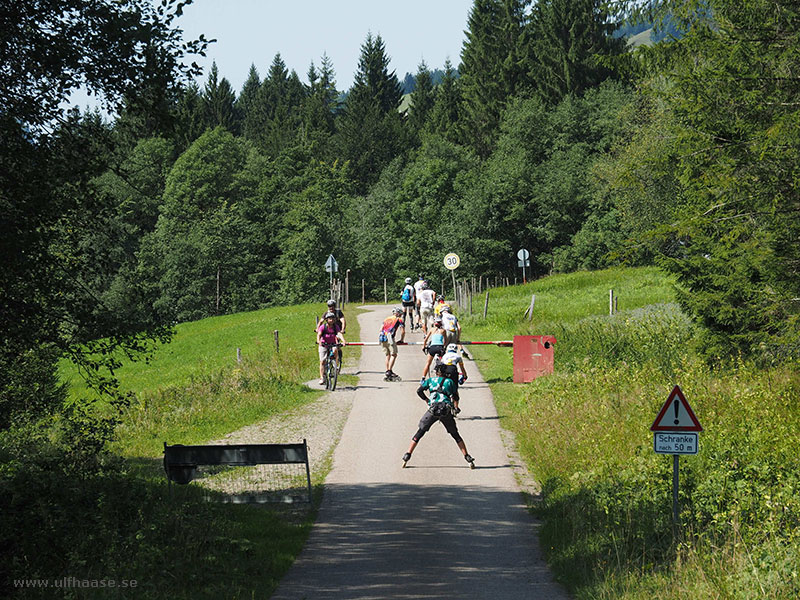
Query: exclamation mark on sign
(676, 404)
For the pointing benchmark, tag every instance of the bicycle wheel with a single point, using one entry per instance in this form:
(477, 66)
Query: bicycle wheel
(333, 373)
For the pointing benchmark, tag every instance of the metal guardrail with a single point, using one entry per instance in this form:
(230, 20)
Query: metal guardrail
(181, 462)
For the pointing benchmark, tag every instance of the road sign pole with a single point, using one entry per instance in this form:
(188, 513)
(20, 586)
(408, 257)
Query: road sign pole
(675, 510)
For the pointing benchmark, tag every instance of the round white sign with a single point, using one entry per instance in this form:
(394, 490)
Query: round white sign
(523, 254)
(451, 261)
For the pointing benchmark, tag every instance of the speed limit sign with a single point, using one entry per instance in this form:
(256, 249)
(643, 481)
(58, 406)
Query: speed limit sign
(451, 261)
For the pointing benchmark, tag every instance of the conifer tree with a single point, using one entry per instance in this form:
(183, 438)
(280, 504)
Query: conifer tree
(219, 102)
(247, 104)
(444, 117)
(422, 99)
(491, 67)
(566, 39)
(320, 106)
(370, 130)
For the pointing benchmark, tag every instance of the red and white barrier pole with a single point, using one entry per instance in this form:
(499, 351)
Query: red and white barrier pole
(495, 343)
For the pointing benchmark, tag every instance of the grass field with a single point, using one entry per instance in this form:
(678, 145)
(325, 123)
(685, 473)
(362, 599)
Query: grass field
(584, 431)
(605, 499)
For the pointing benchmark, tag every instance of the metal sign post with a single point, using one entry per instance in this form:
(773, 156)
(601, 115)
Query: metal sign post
(331, 266)
(451, 261)
(676, 431)
(524, 261)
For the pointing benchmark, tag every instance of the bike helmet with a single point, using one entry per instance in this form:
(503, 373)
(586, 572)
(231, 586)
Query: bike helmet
(397, 311)
(408, 280)
(331, 302)
(438, 321)
(445, 308)
(439, 367)
(439, 297)
(329, 315)
(452, 348)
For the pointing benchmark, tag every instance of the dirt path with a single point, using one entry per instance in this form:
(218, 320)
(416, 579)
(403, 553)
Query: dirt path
(433, 530)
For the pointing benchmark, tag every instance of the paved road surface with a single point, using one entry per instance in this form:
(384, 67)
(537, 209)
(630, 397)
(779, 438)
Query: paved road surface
(435, 529)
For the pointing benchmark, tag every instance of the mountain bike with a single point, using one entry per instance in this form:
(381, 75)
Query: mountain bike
(331, 367)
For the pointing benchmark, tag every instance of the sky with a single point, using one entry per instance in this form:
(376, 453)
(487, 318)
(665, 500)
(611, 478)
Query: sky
(254, 31)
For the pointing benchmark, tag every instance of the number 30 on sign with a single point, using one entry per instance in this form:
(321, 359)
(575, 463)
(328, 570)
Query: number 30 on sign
(451, 261)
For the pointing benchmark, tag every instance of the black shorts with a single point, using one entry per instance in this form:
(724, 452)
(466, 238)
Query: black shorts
(436, 350)
(409, 304)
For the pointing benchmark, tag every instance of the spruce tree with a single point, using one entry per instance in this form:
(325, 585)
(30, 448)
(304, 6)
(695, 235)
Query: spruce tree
(491, 68)
(445, 114)
(247, 104)
(219, 102)
(370, 130)
(566, 39)
(422, 99)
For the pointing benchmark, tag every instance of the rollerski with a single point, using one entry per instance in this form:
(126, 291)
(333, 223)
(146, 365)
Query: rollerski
(391, 376)
(470, 460)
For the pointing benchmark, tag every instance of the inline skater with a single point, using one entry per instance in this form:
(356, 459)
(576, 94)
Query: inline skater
(451, 325)
(440, 408)
(408, 296)
(417, 291)
(391, 325)
(425, 302)
(452, 363)
(433, 345)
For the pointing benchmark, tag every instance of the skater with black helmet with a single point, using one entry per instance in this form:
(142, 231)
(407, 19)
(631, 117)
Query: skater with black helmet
(440, 408)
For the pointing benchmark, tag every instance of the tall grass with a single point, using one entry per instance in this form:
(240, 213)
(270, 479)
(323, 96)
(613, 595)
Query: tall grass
(584, 431)
(119, 519)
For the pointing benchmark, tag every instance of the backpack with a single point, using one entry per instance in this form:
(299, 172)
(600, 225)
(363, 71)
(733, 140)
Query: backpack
(406, 295)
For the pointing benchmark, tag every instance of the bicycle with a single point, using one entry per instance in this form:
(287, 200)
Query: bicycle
(331, 368)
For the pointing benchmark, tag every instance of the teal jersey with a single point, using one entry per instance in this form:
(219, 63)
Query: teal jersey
(441, 389)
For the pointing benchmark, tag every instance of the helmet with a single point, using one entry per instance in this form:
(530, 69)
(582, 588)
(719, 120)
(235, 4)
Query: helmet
(439, 297)
(439, 367)
(421, 276)
(397, 311)
(452, 348)
(408, 279)
(445, 308)
(331, 302)
(438, 321)
(329, 315)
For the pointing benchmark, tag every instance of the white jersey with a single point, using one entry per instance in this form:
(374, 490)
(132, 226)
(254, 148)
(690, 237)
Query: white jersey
(451, 358)
(418, 287)
(449, 321)
(426, 298)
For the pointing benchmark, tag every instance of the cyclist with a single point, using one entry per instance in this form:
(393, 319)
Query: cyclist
(409, 298)
(440, 408)
(340, 319)
(328, 333)
(452, 362)
(433, 344)
(425, 302)
(391, 325)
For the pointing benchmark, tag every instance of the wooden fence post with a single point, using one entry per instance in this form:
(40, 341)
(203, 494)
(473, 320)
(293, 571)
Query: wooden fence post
(277, 345)
(363, 294)
(486, 304)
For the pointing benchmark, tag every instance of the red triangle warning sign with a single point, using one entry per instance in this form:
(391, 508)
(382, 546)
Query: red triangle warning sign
(676, 414)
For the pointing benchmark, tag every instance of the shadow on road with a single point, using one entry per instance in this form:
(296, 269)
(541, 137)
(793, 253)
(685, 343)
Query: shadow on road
(404, 541)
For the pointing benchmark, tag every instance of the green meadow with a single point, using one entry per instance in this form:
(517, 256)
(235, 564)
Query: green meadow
(605, 495)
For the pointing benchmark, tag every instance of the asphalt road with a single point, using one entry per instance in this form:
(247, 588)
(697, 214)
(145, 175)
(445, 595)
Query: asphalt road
(435, 529)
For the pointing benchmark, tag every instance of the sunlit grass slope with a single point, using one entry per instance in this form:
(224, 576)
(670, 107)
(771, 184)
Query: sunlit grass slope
(584, 432)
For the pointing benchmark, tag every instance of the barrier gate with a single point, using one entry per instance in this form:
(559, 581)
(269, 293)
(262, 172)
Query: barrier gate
(533, 354)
